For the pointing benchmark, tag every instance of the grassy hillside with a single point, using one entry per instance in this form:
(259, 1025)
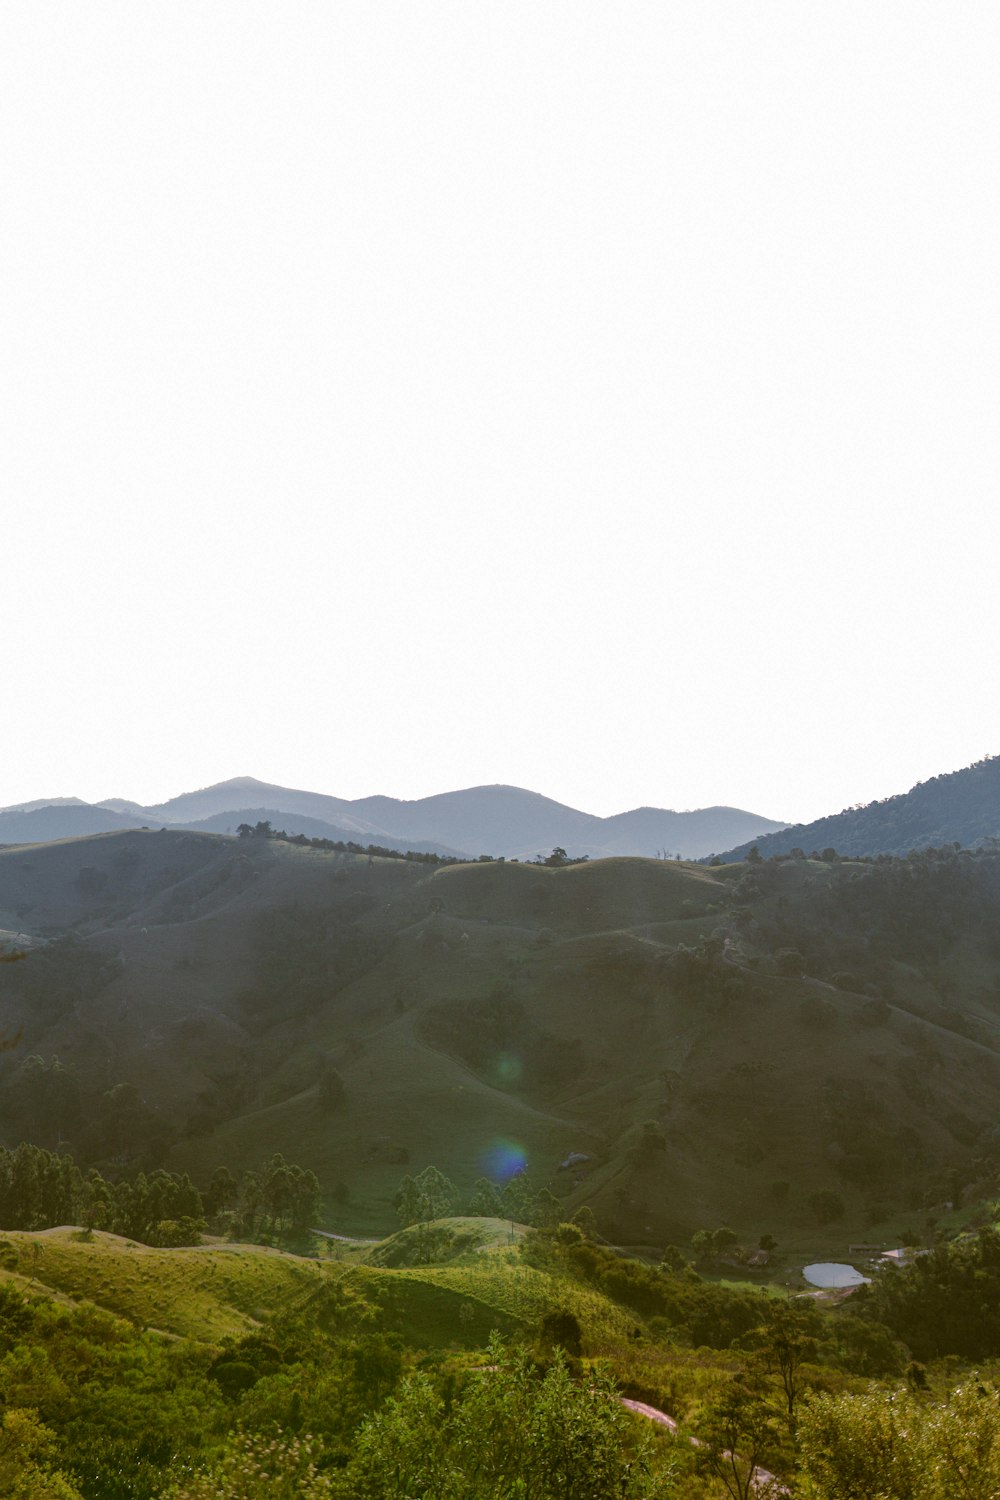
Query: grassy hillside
(205, 1292)
(217, 1290)
(720, 1045)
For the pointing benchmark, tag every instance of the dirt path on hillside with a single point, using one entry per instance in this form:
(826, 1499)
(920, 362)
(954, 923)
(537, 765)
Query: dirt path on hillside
(761, 1477)
(344, 1239)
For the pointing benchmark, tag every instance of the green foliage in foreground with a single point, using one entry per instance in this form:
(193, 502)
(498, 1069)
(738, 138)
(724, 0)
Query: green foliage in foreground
(512, 1432)
(895, 1445)
(259, 1468)
(26, 1450)
(509, 1432)
(383, 1381)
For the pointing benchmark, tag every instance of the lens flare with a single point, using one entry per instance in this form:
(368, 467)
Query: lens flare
(507, 1068)
(503, 1160)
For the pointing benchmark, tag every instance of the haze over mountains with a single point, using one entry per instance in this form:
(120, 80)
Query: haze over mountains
(499, 820)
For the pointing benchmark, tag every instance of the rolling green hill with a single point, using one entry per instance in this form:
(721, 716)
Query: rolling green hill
(711, 1045)
(218, 1290)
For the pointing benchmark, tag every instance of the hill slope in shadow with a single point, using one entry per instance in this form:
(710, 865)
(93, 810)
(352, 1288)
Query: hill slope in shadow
(962, 807)
(712, 1044)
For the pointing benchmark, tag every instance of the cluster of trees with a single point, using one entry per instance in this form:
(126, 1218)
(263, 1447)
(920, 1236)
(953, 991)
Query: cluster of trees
(559, 858)
(40, 1189)
(679, 1305)
(321, 1404)
(278, 1199)
(44, 1101)
(431, 1195)
(317, 1404)
(512, 1431)
(264, 830)
(853, 928)
(95, 1409)
(945, 1302)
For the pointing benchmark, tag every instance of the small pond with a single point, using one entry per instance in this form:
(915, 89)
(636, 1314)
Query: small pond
(828, 1273)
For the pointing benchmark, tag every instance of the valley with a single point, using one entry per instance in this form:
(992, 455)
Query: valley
(659, 1093)
(711, 1044)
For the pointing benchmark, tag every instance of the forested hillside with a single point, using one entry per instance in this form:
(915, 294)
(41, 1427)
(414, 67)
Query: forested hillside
(962, 807)
(774, 1044)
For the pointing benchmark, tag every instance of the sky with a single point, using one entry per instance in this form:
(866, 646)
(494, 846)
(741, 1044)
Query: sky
(594, 398)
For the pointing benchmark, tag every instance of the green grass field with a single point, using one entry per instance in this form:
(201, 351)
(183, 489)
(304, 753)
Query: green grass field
(209, 1291)
(204, 1293)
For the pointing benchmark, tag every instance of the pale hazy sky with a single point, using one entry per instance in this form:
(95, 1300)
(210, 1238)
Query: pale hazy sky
(597, 397)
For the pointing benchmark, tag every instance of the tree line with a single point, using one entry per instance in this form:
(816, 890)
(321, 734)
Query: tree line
(264, 830)
(40, 1189)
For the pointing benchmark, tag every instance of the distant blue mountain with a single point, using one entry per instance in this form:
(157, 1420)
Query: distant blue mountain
(497, 820)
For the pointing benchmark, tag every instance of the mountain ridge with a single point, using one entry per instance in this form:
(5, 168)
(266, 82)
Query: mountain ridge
(496, 819)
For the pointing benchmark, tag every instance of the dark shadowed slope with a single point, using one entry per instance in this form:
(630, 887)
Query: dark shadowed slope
(312, 828)
(69, 820)
(962, 807)
(716, 1045)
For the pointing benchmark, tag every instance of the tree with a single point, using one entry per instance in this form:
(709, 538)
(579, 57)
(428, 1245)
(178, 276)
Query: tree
(223, 1191)
(27, 1449)
(702, 1245)
(508, 1433)
(787, 1339)
(673, 1260)
(561, 1330)
(485, 1200)
(724, 1242)
(429, 1195)
(518, 1199)
(738, 1433)
(710, 1244)
(407, 1201)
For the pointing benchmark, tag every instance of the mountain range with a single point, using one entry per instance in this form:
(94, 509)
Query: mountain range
(498, 820)
(960, 807)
